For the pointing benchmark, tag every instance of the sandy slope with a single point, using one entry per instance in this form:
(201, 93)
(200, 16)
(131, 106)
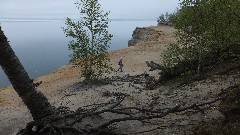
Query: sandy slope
(61, 88)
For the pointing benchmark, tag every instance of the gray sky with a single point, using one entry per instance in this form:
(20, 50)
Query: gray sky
(120, 9)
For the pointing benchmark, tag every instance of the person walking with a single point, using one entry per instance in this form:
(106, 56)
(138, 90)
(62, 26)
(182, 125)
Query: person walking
(120, 63)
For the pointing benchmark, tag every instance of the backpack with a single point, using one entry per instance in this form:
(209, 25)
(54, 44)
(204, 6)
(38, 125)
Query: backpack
(120, 62)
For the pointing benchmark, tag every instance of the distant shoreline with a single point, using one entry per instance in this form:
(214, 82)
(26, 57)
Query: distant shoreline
(63, 19)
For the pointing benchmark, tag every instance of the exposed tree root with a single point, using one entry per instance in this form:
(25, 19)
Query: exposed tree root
(66, 122)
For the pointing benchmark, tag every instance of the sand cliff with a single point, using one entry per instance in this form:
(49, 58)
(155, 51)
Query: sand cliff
(63, 87)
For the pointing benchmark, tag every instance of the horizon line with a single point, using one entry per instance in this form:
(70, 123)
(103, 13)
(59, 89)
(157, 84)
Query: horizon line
(9, 19)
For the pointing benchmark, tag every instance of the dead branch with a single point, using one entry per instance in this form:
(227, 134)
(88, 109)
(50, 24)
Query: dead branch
(51, 125)
(154, 66)
(144, 79)
(138, 79)
(36, 84)
(159, 113)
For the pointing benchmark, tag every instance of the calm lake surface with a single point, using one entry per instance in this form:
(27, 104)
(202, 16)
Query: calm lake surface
(41, 45)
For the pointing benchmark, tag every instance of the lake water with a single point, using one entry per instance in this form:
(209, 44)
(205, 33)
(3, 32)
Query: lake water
(41, 45)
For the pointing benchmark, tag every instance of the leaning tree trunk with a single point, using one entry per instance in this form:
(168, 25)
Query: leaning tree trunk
(36, 102)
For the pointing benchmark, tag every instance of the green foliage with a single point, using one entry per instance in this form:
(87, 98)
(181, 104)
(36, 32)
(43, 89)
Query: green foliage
(212, 23)
(205, 29)
(90, 39)
(161, 18)
(168, 18)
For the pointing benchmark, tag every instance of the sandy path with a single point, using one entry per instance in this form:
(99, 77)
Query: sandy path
(61, 88)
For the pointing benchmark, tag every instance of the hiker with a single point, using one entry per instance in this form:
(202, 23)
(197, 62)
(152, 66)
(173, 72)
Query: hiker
(120, 63)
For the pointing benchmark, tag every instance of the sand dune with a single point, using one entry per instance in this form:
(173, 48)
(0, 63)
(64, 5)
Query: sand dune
(62, 87)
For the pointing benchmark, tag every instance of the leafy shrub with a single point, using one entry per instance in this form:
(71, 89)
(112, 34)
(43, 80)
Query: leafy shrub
(207, 33)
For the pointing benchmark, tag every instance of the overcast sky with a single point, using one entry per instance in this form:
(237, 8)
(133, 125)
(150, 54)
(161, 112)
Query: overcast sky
(120, 9)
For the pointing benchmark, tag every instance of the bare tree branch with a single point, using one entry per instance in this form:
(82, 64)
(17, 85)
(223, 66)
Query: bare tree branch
(159, 114)
(122, 113)
(154, 66)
